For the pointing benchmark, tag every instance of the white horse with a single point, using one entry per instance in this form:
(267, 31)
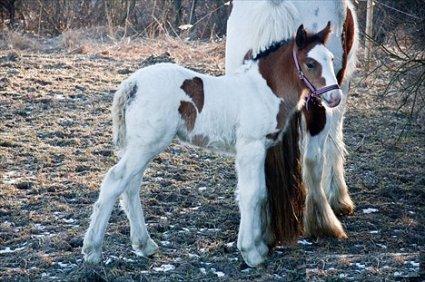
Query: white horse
(253, 26)
(248, 110)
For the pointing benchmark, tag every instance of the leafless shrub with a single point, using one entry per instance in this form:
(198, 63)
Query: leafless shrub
(18, 40)
(400, 52)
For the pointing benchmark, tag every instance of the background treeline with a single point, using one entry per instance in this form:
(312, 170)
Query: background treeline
(153, 17)
(134, 17)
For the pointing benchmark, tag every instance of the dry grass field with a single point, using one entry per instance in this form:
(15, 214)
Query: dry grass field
(55, 146)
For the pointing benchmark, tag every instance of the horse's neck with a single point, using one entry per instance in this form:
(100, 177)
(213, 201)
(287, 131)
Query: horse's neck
(315, 14)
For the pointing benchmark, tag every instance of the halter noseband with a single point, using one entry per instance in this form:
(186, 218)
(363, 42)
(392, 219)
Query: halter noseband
(314, 92)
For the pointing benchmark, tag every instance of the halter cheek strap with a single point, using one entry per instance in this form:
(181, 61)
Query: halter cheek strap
(314, 92)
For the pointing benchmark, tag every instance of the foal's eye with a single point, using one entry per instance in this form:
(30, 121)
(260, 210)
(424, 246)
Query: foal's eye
(310, 64)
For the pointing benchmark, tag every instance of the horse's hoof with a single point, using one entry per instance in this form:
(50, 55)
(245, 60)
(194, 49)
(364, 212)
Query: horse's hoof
(147, 250)
(343, 206)
(262, 249)
(252, 257)
(320, 221)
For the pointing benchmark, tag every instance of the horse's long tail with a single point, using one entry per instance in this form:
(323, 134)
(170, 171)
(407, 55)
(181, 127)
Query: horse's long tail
(125, 92)
(285, 190)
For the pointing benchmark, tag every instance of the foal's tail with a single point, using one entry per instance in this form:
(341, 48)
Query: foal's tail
(124, 94)
(285, 190)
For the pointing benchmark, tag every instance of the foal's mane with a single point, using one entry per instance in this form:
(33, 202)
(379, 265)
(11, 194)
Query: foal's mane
(272, 48)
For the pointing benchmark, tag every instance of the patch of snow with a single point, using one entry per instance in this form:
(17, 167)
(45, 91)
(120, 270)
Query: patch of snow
(8, 250)
(230, 245)
(246, 270)
(108, 261)
(164, 268)
(342, 275)
(304, 242)
(359, 265)
(218, 273)
(412, 212)
(202, 270)
(398, 274)
(59, 97)
(144, 272)
(374, 232)
(70, 220)
(165, 243)
(66, 265)
(382, 246)
(369, 210)
(193, 255)
(202, 189)
(413, 263)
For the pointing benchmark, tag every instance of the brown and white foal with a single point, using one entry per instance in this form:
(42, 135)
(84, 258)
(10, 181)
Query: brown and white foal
(247, 111)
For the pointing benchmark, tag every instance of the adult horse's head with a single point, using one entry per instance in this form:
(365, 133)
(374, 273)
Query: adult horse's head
(314, 65)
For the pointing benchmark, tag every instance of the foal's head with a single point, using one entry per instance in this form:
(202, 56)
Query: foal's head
(316, 64)
(278, 67)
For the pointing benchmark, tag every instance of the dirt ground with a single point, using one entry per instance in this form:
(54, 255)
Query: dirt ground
(55, 146)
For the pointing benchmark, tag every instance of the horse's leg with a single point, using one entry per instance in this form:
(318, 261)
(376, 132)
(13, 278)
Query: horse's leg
(334, 179)
(252, 194)
(319, 219)
(141, 242)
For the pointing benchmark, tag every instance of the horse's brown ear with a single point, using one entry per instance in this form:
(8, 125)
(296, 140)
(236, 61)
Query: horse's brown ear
(301, 37)
(324, 34)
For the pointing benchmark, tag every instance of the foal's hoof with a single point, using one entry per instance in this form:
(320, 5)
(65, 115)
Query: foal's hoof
(147, 250)
(91, 254)
(252, 257)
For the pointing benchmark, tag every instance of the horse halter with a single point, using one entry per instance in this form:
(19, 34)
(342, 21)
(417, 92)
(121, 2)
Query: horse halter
(314, 92)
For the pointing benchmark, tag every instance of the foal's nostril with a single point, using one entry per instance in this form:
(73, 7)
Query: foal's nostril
(334, 99)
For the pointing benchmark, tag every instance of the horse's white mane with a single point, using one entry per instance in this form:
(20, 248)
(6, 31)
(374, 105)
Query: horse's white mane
(282, 18)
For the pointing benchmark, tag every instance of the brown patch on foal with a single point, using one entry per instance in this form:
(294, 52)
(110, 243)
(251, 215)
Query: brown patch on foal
(347, 38)
(188, 113)
(194, 88)
(315, 116)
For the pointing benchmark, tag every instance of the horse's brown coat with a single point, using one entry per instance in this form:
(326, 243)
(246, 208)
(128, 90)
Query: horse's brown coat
(194, 88)
(188, 113)
(347, 37)
(315, 116)
(200, 140)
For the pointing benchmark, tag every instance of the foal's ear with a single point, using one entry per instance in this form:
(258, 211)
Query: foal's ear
(324, 33)
(301, 38)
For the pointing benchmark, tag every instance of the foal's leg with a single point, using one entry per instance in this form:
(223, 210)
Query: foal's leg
(334, 179)
(319, 218)
(141, 242)
(114, 183)
(250, 158)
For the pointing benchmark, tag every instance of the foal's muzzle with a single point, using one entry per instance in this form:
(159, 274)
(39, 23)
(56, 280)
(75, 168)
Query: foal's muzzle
(332, 98)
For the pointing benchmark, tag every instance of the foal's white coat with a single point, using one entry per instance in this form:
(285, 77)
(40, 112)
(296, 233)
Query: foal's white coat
(239, 111)
(255, 25)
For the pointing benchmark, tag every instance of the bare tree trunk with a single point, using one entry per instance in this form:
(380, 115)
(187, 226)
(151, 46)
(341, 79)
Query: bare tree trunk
(178, 11)
(369, 31)
(192, 17)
